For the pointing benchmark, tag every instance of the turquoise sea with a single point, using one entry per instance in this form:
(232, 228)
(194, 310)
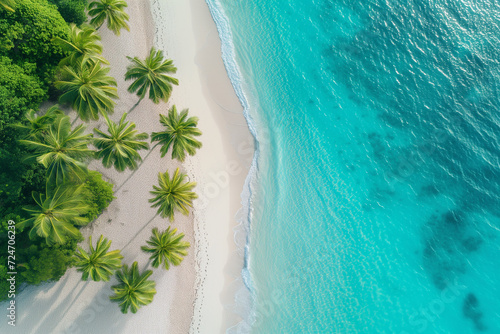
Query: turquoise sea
(374, 204)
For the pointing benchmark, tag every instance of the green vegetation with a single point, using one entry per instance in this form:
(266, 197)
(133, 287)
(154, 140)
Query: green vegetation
(133, 289)
(56, 214)
(88, 89)
(180, 132)
(73, 11)
(27, 34)
(15, 99)
(62, 151)
(97, 193)
(151, 74)
(7, 5)
(166, 248)
(46, 188)
(82, 45)
(38, 126)
(111, 11)
(173, 194)
(98, 264)
(120, 146)
(46, 263)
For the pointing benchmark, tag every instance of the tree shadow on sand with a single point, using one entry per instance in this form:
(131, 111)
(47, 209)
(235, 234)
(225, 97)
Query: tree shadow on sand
(135, 170)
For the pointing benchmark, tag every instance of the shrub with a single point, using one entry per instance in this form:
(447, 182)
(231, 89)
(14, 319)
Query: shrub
(26, 36)
(72, 11)
(99, 194)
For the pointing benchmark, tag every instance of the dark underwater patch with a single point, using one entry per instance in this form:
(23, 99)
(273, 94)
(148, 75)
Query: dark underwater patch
(472, 311)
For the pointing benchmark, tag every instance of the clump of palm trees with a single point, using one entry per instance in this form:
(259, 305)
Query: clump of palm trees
(65, 152)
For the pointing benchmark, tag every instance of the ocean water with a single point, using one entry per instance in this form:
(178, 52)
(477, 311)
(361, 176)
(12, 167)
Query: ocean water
(374, 199)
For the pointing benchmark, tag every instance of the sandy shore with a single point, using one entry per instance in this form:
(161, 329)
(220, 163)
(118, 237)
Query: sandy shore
(194, 296)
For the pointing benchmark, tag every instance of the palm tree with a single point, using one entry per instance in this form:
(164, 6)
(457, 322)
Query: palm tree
(56, 213)
(151, 74)
(99, 264)
(112, 11)
(62, 150)
(88, 89)
(38, 125)
(120, 146)
(173, 193)
(8, 5)
(166, 247)
(179, 133)
(133, 289)
(82, 45)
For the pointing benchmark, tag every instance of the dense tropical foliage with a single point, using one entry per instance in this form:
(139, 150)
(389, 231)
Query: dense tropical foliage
(119, 146)
(133, 289)
(98, 263)
(7, 5)
(180, 132)
(29, 58)
(27, 37)
(73, 11)
(152, 74)
(173, 194)
(166, 248)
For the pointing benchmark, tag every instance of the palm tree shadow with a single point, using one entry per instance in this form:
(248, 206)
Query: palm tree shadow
(147, 265)
(139, 232)
(135, 106)
(135, 170)
(75, 299)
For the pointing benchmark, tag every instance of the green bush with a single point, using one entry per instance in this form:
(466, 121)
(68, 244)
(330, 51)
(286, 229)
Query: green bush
(15, 98)
(47, 263)
(99, 194)
(73, 11)
(26, 36)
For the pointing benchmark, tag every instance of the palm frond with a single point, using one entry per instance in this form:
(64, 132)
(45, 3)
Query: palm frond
(180, 132)
(119, 147)
(173, 194)
(56, 214)
(151, 75)
(98, 263)
(133, 289)
(166, 247)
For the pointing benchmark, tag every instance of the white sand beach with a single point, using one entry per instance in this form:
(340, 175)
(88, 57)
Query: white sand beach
(192, 297)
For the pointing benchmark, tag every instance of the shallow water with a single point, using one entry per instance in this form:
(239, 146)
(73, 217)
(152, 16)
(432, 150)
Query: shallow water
(375, 204)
